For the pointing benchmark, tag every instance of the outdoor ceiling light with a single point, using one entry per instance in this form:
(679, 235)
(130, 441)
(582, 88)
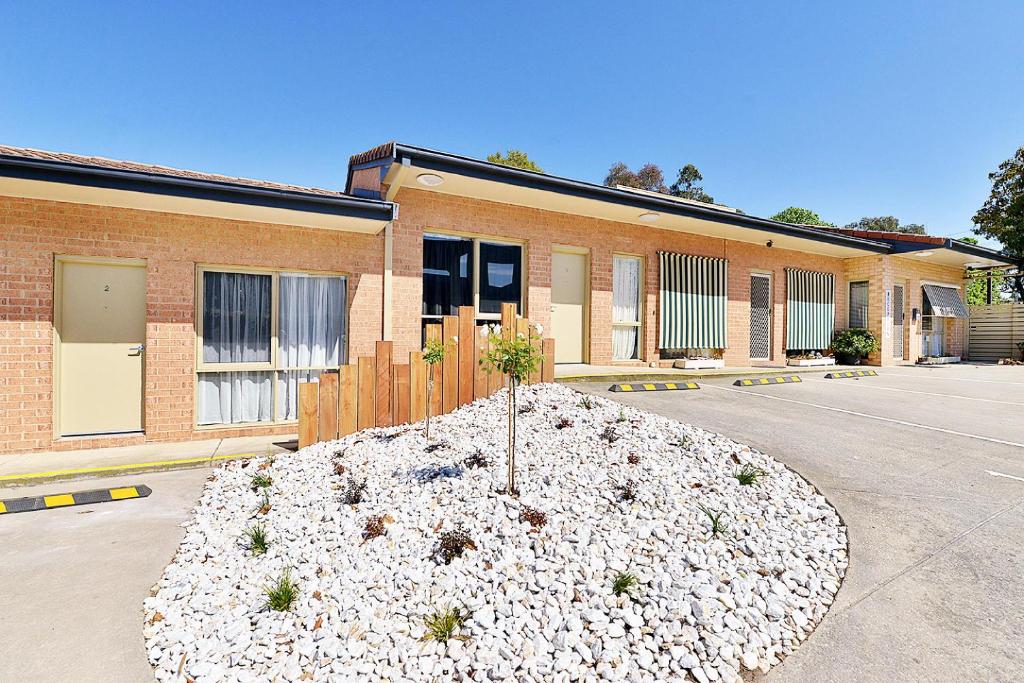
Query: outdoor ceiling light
(429, 179)
(650, 216)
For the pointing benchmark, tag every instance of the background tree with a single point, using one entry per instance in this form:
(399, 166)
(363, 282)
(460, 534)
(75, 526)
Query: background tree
(800, 216)
(1002, 216)
(887, 224)
(648, 177)
(515, 158)
(686, 185)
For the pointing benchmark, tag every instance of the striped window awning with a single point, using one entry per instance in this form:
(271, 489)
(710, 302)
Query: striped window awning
(945, 302)
(694, 300)
(810, 310)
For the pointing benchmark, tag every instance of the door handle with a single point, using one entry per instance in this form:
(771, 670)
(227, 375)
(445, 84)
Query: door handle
(137, 350)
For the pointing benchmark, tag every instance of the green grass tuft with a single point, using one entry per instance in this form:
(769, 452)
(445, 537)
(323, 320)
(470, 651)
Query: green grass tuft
(748, 475)
(718, 526)
(258, 541)
(281, 596)
(443, 625)
(623, 583)
(586, 402)
(260, 481)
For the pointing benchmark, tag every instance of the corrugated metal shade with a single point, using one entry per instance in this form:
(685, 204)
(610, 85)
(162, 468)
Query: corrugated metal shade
(810, 309)
(694, 299)
(945, 301)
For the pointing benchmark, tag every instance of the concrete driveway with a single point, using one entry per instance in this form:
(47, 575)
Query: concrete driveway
(72, 580)
(926, 466)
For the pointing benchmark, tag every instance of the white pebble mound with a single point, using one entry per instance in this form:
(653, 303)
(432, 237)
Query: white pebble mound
(537, 603)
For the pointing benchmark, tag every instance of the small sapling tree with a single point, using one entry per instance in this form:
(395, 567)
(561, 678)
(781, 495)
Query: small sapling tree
(433, 353)
(515, 357)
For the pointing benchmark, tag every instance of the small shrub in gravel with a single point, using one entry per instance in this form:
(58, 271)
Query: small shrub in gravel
(374, 528)
(563, 423)
(626, 490)
(748, 475)
(353, 490)
(453, 544)
(258, 541)
(430, 448)
(443, 625)
(535, 517)
(260, 481)
(477, 460)
(281, 596)
(587, 402)
(682, 443)
(633, 459)
(526, 408)
(622, 416)
(623, 584)
(718, 526)
(609, 434)
(339, 468)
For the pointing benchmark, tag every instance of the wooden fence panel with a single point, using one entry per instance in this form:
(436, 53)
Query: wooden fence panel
(417, 387)
(508, 320)
(308, 420)
(384, 381)
(495, 380)
(450, 365)
(436, 372)
(479, 371)
(328, 406)
(367, 391)
(466, 350)
(400, 395)
(548, 368)
(348, 379)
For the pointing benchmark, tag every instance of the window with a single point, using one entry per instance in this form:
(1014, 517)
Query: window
(463, 271)
(261, 333)
(626, 307)
(858, 304)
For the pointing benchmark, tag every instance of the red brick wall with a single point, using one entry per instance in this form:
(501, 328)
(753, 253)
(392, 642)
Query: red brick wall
(425, 211)
(32, 232)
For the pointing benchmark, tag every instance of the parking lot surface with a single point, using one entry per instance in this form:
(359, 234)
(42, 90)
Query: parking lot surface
(926, 466)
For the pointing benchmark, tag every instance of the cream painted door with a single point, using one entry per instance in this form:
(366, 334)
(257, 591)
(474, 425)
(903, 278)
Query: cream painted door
(101, 335)
(568, 305)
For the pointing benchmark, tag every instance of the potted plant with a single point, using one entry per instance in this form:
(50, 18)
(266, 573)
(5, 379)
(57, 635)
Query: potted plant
(852, 345)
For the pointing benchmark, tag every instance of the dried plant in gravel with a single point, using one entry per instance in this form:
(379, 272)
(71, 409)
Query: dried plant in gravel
(430, 448)
(443, 625)
(265, 503)
(623, 584)
(452, 544)
(281, 596)
(527, 407)
(587, 402)
(478, 459)
(260, 481)
(339, 468)
(748, 474)
(609, 434)
(374, 528)
(633, 459)
(353, 490)
(258, 541)
(626, 490)
(535, 517)
(718, 526)
(622, 416)
(563, 422)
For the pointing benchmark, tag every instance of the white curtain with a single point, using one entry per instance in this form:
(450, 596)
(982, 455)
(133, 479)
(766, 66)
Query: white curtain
(235, 397)
(311, 333)
(625, 307)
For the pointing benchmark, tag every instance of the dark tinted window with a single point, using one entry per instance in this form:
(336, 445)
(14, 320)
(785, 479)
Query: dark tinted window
(500, 276)
(447, 275)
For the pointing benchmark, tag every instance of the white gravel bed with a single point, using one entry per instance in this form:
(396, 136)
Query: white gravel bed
(539, 601)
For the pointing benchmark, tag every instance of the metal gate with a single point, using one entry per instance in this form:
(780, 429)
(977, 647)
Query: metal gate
(897, 322)
(995, 331)
(760, 316)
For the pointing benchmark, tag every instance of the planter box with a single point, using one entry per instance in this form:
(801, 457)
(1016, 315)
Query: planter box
(810, 362)
(941, 360)
(698, 363)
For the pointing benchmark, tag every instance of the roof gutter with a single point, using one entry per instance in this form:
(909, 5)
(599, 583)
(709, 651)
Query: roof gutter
(459, 165)
(903, 247)
(192, 188)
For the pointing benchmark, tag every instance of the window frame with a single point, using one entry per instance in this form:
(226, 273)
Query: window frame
(477, 239)
(641, 303)
(849, 304)
(272, 366)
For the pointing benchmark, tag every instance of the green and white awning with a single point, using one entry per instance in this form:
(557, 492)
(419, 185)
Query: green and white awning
(694, 299)
(810, 309)
(945, 302)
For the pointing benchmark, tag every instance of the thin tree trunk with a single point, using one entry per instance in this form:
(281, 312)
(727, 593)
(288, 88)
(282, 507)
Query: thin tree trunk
(511, 436)
(430, 391)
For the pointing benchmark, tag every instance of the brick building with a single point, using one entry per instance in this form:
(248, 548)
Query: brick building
(141, 303)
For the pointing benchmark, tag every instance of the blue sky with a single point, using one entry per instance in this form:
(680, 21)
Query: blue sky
(878, 108)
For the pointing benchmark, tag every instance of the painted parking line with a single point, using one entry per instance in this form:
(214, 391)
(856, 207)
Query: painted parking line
(911, 391)
(60, 500)
(1004, 476)
(891, 420)
(926, 375)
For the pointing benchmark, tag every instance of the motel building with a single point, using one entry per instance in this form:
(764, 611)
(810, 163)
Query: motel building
(140, 303)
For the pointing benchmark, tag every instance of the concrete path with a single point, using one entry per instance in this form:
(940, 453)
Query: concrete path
(926, 466)
(72, 580)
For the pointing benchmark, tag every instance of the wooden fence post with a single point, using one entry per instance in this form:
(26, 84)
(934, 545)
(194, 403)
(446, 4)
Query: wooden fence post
(367, 385)
(309, 395)
(400, 395)
(450, 390)
(434, 333)
(466, 352)
(348, 389)
(548, 369)
(479, 371)
(328, 427)
(417, 387)
(384, 382)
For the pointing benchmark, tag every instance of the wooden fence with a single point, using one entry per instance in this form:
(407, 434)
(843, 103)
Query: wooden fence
(995, 331)
(378, 392)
